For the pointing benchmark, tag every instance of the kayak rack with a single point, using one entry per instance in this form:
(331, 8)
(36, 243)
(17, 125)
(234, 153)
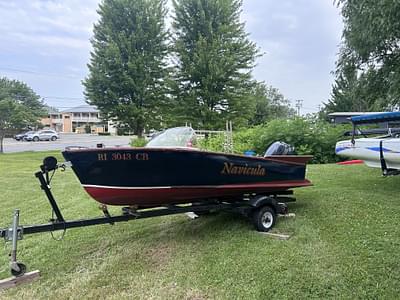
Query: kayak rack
(260, 207)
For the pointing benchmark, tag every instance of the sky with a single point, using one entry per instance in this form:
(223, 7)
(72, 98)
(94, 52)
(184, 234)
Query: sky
(46, 43)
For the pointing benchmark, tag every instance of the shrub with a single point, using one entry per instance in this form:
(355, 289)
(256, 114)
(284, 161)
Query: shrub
(104, 133)
(242, 140)
(308, 136)
(88, 128)
(138, 142)
(212, 143)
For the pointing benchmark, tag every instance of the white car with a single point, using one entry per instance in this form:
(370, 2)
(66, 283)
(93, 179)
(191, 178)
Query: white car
(42, 135)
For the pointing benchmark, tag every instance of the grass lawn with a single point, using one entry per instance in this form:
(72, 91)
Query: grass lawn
(345, 244)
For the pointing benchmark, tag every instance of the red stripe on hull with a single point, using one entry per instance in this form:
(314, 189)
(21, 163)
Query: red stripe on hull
(176, 195)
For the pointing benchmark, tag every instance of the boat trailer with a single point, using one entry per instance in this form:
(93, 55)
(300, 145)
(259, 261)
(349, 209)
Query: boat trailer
(263, 209)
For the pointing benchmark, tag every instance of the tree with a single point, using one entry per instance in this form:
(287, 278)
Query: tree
(20, 107)
(269, 104)
(127, 68)
(344, 96)
(214, 62)
(371, 45)
(354, 90)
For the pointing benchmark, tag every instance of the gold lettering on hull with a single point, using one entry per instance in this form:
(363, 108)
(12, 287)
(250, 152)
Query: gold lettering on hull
(232, 169)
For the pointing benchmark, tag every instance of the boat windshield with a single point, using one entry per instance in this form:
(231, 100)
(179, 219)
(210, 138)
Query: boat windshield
(174, 137)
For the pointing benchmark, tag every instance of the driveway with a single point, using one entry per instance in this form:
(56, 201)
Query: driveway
(66, 139)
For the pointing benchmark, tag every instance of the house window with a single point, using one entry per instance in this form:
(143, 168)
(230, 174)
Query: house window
(85, 115)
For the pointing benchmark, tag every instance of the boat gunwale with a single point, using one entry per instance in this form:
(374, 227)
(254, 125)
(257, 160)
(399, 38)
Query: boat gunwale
(276, 158)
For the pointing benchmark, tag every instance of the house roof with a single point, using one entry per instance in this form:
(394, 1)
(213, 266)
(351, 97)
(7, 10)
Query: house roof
(82, 109)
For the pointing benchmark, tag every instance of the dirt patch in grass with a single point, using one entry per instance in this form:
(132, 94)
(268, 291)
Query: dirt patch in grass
(194, 294)
(159, 255)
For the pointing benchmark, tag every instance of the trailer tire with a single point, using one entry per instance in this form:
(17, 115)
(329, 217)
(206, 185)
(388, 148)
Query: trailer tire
(264, 218)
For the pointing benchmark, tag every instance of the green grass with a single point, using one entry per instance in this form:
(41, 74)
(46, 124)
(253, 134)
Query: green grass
(345, 244)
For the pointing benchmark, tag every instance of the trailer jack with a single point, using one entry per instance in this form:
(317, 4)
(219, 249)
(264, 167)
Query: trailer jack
(14, 234)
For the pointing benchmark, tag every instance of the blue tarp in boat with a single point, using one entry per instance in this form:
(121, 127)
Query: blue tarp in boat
(376, 118)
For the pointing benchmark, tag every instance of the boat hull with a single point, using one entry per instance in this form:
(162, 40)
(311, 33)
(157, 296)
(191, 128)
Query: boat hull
(368, 149)
(159, 176)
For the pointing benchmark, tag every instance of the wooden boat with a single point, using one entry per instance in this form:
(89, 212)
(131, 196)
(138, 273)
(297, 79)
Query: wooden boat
(168, 171)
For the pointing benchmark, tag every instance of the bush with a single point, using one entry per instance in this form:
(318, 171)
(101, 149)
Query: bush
(104, 133)
(308, 136)
(242, 140)
(138, 142)
(88, 128)
(212, 143)
(123, 131)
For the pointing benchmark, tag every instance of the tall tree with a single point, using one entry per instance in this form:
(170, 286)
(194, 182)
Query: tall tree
(371, 44)
(214, 62)
(127, 68)
(20, 107)
(344, 95)
(269, 104)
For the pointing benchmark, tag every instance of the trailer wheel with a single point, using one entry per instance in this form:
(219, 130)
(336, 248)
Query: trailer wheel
(264, 218)
(22, 270)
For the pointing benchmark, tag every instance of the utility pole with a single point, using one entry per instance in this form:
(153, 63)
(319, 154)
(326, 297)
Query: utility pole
(299, 104)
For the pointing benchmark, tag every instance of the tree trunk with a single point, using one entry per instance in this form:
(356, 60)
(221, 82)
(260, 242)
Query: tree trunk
(1, 143)
(139, 129)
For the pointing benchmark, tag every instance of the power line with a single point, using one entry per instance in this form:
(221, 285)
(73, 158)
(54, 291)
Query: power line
(54, 106)
(19, 97)
(70, 76)
(62, 98)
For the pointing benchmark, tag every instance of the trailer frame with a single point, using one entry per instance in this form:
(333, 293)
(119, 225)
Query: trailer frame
(250, 205)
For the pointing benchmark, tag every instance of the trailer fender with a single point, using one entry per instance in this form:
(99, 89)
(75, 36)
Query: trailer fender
(262, 200)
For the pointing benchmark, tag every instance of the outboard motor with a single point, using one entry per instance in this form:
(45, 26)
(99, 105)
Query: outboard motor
(280, 148)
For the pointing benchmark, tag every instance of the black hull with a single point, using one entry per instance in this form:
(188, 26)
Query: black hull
(157, 176)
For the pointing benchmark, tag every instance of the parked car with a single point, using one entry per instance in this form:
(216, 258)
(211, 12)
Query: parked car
(21, 136)
(42, 135)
